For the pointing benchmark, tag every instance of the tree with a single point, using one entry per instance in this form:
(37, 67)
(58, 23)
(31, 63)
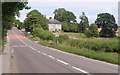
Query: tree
(19, 24)
(47, 35)
(35, 19)
(9, 11)
(73, 27)
(69, 27)
(65, 27)
(37, 32)
(92, 31)
(107, 23)
(64, 16)
(84, 23)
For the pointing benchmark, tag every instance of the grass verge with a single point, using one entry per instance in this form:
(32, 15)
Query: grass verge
(103, 56)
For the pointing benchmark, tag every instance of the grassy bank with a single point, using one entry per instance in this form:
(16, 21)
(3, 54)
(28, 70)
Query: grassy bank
(111, 57)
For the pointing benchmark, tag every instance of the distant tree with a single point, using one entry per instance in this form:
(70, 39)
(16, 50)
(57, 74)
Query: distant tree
(92, 31)
(107, 23)
(35, 19)
(64, 16)
(84, 23)
(65, 27)
(19, 24)
(73, 27)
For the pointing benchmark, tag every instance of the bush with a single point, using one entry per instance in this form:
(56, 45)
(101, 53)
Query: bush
(37, 32)
(73, 27)
(65, 27)
(62, 38)
(47, 35)
(92, 31)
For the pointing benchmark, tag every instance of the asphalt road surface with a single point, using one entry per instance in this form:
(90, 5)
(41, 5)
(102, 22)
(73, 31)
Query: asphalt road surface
(31, 57)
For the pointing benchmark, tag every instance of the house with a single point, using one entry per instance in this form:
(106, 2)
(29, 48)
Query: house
(54, 25)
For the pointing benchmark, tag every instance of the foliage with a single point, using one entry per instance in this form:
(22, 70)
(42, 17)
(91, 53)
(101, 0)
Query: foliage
(37, 32)
(108, 24)
(9, 11)
(62, 38)
(47, 35)
(69, 27)
(63, 15)
(92, 31)
(84, 23)
(19, 24)
(35, 19)
(65, 27)
(73, 27)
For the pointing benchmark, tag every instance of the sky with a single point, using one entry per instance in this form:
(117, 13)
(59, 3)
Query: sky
(90, 7)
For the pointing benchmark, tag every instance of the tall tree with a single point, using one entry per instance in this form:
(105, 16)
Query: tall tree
(107, 23)
(64, 16)
(84, 23)
(9, 11)
(35, 19)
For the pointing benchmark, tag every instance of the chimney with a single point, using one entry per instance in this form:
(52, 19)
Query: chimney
(50, 18)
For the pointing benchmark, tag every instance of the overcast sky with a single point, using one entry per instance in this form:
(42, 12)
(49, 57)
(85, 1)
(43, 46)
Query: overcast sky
(90, 7)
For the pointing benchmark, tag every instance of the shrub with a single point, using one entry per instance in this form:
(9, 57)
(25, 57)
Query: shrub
(92, 31)
(65, 26)
(47, 35)
(37, 32)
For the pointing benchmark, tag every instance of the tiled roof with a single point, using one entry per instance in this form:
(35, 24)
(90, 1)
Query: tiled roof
(53, 21)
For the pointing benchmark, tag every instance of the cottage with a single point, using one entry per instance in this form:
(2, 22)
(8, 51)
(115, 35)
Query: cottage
(54, 25)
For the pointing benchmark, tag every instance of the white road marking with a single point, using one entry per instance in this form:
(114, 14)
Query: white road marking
(19, 46)
(44, 53)
(38, 51)
(12, 51)
(51, 56)
(32, 48)
(79, 69)
(62, 61)
(35, 49)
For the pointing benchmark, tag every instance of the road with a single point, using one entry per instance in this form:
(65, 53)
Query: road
(31, 57)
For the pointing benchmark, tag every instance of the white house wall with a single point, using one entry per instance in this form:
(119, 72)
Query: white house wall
(53, 27)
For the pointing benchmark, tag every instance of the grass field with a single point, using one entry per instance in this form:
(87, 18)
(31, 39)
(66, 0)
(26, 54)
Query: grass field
(75, 35)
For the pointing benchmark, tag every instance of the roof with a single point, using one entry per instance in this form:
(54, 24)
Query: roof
(53, 21)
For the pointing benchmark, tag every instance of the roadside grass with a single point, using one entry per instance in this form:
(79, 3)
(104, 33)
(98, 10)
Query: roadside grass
(110, 57)
(103, 56)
